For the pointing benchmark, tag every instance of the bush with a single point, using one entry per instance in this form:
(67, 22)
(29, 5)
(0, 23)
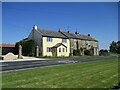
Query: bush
(76, 52)
(27, 47)
(104, 52)
(88, 52)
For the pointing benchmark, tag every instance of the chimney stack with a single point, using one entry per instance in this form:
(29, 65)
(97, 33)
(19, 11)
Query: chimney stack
(59, 30)
(76, 33)
(68, 31)
(35, 27)
(89, 35)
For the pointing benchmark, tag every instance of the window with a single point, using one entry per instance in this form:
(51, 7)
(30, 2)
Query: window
(83, 42)
(88, 42)
(91, 43)
(49, 39)
(64, 40)
(48, 49)
(63, 50)
(59, 49)
(95, 44)
(75, 41)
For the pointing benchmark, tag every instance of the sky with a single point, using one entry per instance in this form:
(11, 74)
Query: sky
(99, 19)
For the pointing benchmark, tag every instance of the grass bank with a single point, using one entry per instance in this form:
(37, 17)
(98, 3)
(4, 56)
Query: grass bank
(97, 74)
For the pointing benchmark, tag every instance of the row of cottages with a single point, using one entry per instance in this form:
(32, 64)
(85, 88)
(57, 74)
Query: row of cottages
(61, 43)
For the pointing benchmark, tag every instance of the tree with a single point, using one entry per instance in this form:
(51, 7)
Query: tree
(118, 47)
(113, 47)
(27, 47)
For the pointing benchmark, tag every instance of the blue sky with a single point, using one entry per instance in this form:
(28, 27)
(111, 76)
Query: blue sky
(99, 19)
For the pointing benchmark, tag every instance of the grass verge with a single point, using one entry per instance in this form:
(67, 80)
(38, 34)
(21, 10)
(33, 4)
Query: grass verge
(97, 74)
(63, 57)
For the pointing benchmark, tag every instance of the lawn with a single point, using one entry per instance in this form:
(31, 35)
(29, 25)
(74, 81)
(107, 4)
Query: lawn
(97, 74)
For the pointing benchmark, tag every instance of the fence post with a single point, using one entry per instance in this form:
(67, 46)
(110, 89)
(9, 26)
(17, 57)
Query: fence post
(37, 51)
(20, 52)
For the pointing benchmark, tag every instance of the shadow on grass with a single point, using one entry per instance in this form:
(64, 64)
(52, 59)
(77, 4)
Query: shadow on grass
(117, 87)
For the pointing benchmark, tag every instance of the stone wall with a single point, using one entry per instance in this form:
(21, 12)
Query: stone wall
(85, 44)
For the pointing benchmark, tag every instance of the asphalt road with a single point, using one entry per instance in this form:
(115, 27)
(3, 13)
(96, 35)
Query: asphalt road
(22, 65)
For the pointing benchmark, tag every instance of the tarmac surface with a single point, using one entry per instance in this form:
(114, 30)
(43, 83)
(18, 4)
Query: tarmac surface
(9, 66)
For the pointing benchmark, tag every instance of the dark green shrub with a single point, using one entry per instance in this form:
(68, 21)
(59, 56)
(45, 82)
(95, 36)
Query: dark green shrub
(115, 47)
(76, 52)
(104, 52)
(88, 52)
(27, 47)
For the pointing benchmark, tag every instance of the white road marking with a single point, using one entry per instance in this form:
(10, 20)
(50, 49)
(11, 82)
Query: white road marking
(3, 65)
(39, 62)
(67, 61)
(35, 62)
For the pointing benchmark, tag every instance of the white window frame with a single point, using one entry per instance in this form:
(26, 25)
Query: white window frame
(64, 40)
(49, 49)
(49, 39)
(63, 49)
(59, 49)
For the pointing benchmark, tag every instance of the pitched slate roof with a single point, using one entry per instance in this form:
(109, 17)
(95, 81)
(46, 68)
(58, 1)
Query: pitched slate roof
(85, 37)
(78, 36)
(69, 35)
(7, 45)
(61, 34)
(51, 33)
(58, 44)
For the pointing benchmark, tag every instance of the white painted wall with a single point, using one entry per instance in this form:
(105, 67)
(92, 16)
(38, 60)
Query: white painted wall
(53, 43)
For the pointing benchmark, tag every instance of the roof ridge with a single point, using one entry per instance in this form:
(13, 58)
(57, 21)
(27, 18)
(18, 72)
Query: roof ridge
(51, 33)
(47, 30)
